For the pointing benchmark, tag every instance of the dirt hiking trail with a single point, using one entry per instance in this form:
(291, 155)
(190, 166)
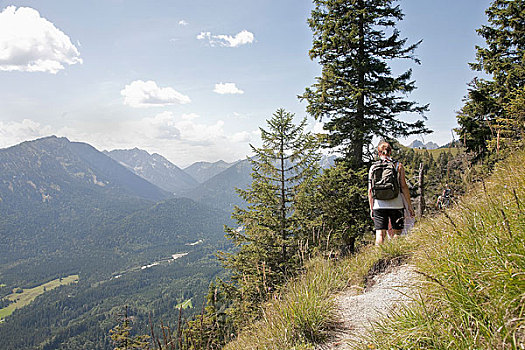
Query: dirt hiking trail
(359, 309)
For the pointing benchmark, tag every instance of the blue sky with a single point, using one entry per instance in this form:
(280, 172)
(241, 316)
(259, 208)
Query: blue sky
(194, 80)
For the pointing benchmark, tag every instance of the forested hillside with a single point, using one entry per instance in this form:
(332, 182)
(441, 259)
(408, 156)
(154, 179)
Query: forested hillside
(71, 210)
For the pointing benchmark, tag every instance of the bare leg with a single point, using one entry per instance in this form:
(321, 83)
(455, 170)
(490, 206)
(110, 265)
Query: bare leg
(395, 233)
(380, 236)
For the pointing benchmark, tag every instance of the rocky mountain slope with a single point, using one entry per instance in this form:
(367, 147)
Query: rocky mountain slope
(154, 168)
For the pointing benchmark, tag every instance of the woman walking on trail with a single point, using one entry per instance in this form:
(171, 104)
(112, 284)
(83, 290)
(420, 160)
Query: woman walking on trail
(387, 190)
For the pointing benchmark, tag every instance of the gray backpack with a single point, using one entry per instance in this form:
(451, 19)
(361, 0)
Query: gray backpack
(384, 180)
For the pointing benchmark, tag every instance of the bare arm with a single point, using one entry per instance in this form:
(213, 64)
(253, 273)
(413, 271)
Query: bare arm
(371, 202)
(404, 189)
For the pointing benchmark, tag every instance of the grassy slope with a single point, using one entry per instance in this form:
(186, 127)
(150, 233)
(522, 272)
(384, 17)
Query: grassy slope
(473, 257)
(28, 295)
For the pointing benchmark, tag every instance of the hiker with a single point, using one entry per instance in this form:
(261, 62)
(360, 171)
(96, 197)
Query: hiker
(387, 190)
(447, 192)
(439, 202)
(443, 200)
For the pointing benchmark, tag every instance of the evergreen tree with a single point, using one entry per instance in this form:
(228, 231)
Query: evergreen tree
(357, 92)
(122, 338)
(337, 211)
(213, 328)
(283, 167)
(503, 57)
(493, 114)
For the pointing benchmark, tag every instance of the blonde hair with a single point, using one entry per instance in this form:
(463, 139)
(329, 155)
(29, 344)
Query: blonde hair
(384, 148)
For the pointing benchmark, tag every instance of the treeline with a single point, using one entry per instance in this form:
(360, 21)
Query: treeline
(295, 211)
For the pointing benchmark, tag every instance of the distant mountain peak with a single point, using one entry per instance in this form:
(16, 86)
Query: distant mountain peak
(421, 145)
(155, 169)
(203, 171)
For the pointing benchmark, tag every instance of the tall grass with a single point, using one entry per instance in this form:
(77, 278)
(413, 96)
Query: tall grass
(473, 259)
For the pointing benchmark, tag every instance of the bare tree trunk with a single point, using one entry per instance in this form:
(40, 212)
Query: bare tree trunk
(358, 141)
(421, 191)
(283, 201)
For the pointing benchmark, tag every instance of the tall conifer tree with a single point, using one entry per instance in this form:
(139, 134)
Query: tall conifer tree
(283, 167)
(357, 93)
(493, 109)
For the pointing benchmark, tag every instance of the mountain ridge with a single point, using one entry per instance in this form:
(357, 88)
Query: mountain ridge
(203, 171)
(155, 169)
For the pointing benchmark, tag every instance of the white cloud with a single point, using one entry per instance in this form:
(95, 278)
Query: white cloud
(147, 94)
(30, 43)
(183, 23)
(227, 88)
(190, 116)
(183, 139)
(242, 38)
(244, 136)
(15, 132)
(161, 126)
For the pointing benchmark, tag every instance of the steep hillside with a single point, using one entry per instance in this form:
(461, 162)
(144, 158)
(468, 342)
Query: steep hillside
(470, 260)
(154, 168)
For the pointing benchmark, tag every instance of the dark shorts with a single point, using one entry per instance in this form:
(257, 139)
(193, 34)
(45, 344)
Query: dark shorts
(383, 216)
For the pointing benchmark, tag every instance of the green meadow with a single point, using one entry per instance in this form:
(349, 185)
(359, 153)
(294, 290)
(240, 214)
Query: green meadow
(26, 296)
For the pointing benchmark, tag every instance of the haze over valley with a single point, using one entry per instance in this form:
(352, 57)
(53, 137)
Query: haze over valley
(69, 209)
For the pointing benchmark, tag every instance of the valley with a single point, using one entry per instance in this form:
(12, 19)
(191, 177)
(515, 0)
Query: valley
(123, 240)
(136, 230)
(22, 297)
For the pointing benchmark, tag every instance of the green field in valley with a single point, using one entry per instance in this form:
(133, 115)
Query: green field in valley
(23, 297)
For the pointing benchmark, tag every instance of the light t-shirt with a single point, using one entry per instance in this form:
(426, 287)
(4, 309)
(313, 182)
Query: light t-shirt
(396, 203)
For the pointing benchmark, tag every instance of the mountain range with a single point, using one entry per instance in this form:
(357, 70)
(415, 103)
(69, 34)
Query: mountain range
(136, 229)
(155, 169)
(208, 183)
(203, 171)
(421, 145)
(68, 209)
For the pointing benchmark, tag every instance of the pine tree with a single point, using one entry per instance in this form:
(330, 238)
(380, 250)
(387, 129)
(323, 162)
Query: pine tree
(213, 328)
(337, 210)
(503, 57)
(266, 238)
(357, 92)
(492, 114)
(122, 338)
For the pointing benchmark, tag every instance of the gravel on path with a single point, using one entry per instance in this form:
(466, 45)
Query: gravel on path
(386, 291)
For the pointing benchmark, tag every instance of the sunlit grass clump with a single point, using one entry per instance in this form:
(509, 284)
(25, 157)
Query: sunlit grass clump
(473, 261)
